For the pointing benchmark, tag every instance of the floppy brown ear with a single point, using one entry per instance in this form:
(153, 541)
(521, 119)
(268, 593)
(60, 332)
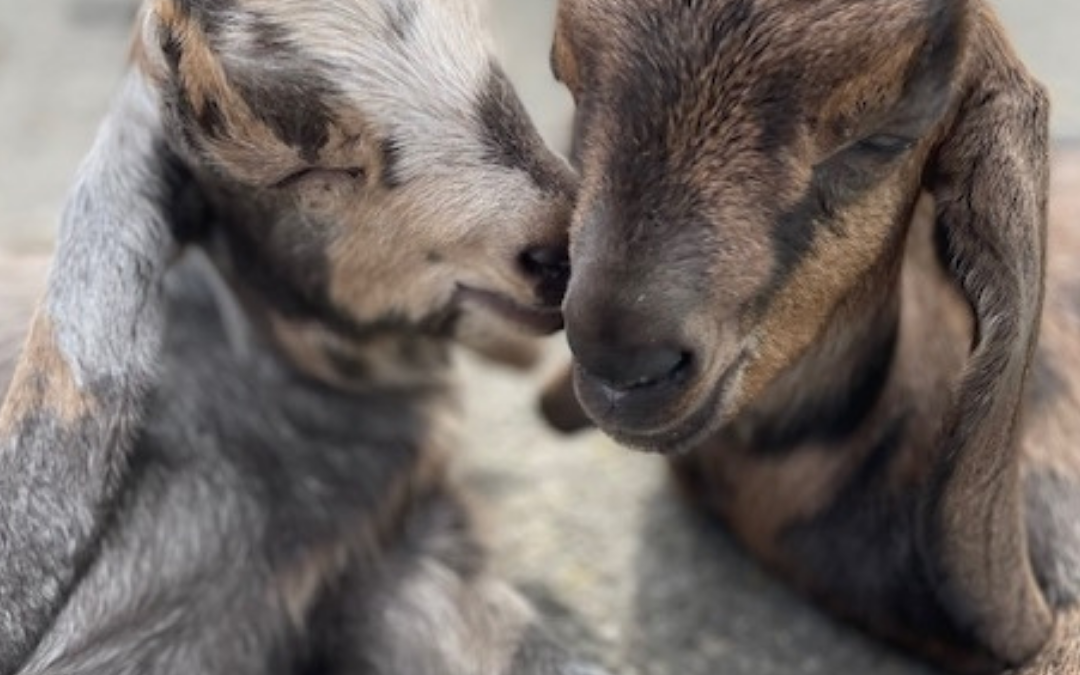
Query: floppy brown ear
(76, 399)
(990, 180)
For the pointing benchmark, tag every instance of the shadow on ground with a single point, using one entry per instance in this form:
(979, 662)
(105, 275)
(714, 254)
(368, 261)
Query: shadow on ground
(598, 537)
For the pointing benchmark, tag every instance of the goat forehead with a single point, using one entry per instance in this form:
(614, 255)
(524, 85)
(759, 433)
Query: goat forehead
(396, 57)
(709, 81)
(790, 17)
(410, 74)
(769, 51)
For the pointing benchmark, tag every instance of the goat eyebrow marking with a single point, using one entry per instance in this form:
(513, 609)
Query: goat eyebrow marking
(294, 104)
(795, 230)
(793, 235)
(390, 171)
(506, 134)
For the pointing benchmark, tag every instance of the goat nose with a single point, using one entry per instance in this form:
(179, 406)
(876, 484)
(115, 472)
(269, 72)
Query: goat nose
(549, 266)
(623, 367)
(547, 261)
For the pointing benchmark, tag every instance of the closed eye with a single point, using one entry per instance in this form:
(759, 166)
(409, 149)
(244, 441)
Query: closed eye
(885, 146)
(353, 173)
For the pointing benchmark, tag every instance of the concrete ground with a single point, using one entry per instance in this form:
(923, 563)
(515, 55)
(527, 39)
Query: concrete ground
(590, 531)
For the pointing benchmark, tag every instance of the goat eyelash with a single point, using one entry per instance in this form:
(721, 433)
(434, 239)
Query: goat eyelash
(354, 173)
(884, 145)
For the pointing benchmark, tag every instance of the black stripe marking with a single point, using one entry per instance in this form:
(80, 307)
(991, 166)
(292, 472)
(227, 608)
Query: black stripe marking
(509, 137)
(862, 553)
(391, 151)
(830, 418)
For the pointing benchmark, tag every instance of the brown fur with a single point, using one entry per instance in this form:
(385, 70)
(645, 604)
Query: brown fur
(809, 258)
(43, 382)
(21, 281)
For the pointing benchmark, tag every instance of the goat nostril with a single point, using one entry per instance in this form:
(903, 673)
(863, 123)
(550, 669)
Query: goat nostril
(626, 369)
(549, 267)
(547, 263)
(653, 366)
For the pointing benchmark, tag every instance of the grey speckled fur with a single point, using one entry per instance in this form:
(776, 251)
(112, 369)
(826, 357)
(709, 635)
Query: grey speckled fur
(185, 489)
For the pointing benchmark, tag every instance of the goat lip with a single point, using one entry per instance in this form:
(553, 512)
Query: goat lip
(656, 419)
(542, 320)
(633, 410)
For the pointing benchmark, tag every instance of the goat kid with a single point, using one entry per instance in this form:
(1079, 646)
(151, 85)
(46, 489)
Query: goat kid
(224, 446)
(810, 254)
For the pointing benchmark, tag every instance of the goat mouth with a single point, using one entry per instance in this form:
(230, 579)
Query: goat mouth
(669, 417)
(537, 319)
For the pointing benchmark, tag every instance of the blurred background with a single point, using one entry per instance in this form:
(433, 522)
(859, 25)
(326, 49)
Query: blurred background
(591, 532)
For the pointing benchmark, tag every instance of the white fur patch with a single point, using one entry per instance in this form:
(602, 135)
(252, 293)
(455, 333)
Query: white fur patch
(421, 89)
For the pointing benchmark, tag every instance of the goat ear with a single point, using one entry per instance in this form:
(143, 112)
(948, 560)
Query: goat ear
(75, 402)
(989, 176)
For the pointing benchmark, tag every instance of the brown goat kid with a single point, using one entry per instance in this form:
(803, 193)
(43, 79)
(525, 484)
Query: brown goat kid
(810, 256)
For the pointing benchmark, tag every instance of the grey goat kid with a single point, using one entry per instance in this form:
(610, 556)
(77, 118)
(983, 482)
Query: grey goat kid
(223, 448)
